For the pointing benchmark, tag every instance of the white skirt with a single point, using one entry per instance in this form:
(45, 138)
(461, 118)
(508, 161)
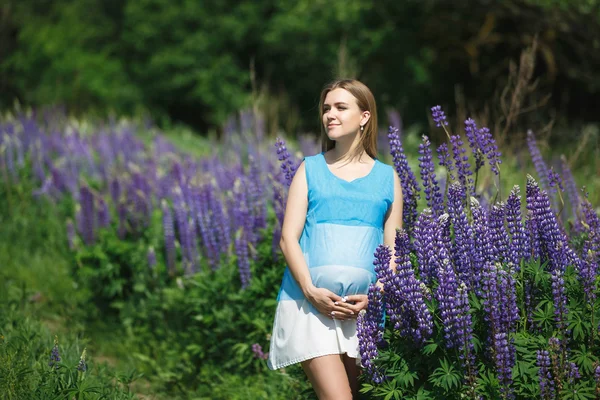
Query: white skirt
(299, 335)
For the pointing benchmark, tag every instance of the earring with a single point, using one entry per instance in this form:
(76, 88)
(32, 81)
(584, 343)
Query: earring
(362, 128)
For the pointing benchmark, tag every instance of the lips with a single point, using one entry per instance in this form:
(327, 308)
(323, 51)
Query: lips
(332, 125)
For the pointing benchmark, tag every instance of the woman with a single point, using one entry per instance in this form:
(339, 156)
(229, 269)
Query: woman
(342, 204)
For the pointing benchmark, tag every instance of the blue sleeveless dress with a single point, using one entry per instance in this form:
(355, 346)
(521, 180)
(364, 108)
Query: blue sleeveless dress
(344, 226)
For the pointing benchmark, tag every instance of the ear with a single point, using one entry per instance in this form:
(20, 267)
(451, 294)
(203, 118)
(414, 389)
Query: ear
(366, 115)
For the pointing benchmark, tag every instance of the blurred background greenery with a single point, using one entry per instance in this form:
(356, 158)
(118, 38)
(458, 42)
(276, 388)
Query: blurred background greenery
(197, 62)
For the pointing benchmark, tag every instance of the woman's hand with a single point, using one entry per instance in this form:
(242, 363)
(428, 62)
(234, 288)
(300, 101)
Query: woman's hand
(329, 303)
(354, 303)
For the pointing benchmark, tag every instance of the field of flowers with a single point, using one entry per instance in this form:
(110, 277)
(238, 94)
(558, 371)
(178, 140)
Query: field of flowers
(176, 255)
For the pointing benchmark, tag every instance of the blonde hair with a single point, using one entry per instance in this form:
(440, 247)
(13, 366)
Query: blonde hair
(366, 102)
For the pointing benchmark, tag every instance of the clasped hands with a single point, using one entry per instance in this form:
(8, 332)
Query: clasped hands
(337, 307)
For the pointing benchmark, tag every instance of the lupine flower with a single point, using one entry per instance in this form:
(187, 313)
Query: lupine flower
(410, 186)
(87, 215)
(538, 161)
(430, 183)
(369, 330)
(502, 314)
(519, 244)
(446, 293)
(169, 235)
(547, 390)
(444, 160)
(554, 179)
(572, 192)
(463, 248)
(82, 365)
(54, 354)
(438, 116)
(410, 311)
(461, 160)
(103, 214)
(424, 244)
(482, 145)
(572, 372)
(288, 167)
(258, 352)
(471, 132)
(498, 235)
(490, 149)
(243, 258)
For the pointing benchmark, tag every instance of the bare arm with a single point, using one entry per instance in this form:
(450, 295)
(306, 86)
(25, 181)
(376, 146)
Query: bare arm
(293, 224)
(393, 219)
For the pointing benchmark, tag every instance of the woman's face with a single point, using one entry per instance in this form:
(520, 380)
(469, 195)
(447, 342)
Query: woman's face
(341, 115)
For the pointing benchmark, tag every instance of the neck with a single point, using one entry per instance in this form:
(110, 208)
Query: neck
(346, 149)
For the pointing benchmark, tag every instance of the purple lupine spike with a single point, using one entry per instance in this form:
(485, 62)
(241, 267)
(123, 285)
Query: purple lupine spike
(381, 263)
(87, 228)
(243, 258)
(169, 236)
(369, 330)
(258, 352)
(82, 365)
(54, 355)
(461, 160)
(256, 193)
(572, 193)
(438, 116)
(103, 214)
(547, 389)
(572, 373)
(428, 178)
(490, 149)
(446, 293)
(464, 333)
(417, 320)
(219, 220)
(483, 242)
(472, 133)
(203, 218)
(182, 222)
(502, 314)
(554, 179)
(498, 234)
(279, 206)
(589, 271)
(592, 225)
(533, 237)
(410, 186)
(288, 167)
(445, 161)
(519, 243)
(424, 245)
(463, 248)
(115, 190)
(538, 161)
(193, 253)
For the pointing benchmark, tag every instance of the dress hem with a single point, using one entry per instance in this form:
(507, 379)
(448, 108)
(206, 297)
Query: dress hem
(300, 359)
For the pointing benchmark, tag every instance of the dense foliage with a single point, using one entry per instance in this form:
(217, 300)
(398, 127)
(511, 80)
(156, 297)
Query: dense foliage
(200, 61)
